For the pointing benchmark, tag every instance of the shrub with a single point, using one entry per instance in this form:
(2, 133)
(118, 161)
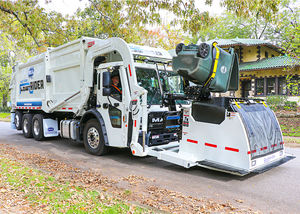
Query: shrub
(290, 105)
(276, 101)
(4, 109)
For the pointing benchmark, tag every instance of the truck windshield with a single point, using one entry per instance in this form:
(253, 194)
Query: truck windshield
(171, 82)
(147, 78)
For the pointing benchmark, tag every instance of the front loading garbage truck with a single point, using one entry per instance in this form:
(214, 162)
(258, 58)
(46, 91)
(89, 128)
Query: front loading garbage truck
(151, 107)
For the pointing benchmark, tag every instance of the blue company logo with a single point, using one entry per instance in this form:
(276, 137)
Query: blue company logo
(31, 72)
(136, 49)
(25, 84)
(50, 129)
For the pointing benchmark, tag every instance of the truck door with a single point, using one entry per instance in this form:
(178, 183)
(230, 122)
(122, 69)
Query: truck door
(112, 108)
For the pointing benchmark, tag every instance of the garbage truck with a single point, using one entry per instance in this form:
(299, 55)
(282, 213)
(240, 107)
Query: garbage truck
(107, 93)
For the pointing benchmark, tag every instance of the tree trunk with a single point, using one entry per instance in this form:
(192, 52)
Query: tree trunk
(4, 101)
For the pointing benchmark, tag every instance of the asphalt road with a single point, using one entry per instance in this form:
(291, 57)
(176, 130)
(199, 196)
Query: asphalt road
(275, 191)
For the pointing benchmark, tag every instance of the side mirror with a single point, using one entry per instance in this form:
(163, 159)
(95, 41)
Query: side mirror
(106, 79)
(106, 92)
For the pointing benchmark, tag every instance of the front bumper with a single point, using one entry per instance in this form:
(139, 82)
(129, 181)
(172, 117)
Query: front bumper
(263, 164)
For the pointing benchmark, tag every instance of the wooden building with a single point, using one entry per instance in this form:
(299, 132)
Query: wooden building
(264, 69)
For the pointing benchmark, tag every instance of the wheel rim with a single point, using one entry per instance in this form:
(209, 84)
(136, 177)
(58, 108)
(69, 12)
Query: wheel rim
(203, 50)
(17, 121)
(36, 127)
(25, 125)
(93, 138)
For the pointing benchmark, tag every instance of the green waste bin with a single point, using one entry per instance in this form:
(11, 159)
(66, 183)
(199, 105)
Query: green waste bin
(208, 65)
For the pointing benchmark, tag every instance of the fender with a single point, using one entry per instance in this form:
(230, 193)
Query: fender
(93, 113)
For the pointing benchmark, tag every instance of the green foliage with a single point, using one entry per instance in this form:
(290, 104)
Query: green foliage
(293, 83)
(276, 20)
(5, 109)
(5, 73)
(47, 194)
(32, 27)
(3, 114)
(290, 105)
(290, 131)
(285, 28)
(227, 26)
(130, 20)
(276, 102)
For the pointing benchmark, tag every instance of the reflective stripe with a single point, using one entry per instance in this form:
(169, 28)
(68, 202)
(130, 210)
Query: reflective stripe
(264, 148)
(192, 141)
(129, 70)
(211, 145)
(232, 149)
(250, 152)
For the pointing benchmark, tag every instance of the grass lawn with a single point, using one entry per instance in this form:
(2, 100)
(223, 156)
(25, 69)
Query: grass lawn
(4, 115)
(292, 131)
(292, 140)
(40, 192)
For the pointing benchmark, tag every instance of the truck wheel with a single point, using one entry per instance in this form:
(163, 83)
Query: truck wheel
(18, 120)
(27, 125)
(93, 138)
(37, 127)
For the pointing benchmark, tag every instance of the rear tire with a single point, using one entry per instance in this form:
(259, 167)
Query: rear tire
(37, 127)
(27, 125)
(93, 138)
(18, 120)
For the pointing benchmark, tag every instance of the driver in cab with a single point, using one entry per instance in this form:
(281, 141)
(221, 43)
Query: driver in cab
(116, 88)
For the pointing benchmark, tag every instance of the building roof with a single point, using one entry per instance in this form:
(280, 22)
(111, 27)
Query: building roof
(273, 62)
(244, 42)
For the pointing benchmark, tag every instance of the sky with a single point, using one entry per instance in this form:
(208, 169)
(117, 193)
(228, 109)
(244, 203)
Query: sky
(68, 7)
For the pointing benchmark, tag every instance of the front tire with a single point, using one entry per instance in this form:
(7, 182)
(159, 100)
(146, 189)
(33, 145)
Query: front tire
(37, 127)
(18, 120)
(93, 138)
(27, 125)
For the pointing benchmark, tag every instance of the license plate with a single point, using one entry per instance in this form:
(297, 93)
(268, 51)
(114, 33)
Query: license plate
(269, 159)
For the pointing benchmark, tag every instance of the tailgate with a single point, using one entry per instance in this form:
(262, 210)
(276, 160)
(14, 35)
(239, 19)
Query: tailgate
(262, 128)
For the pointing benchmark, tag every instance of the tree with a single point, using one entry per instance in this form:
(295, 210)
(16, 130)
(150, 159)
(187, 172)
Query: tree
(285, 29)
(31, 27)
(5, 73)
(277, 20)
(165, 37)
(130, 20)
(227, 26)
(260, 12)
